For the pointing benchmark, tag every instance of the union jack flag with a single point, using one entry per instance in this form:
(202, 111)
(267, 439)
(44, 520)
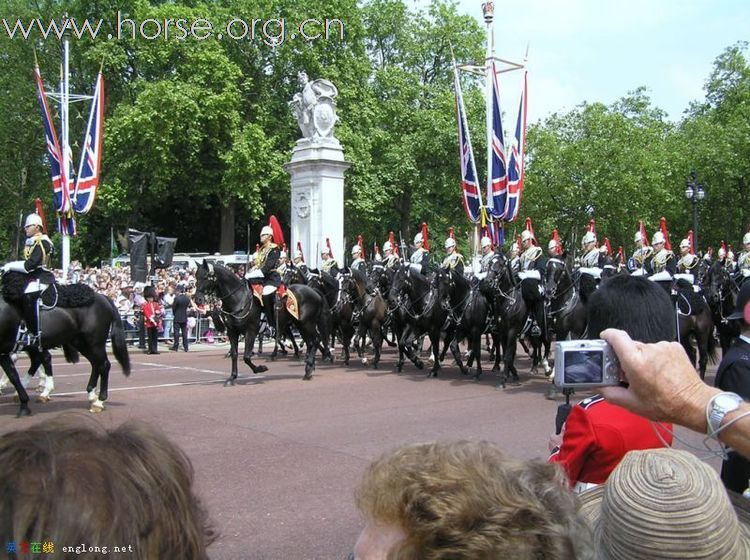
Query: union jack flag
(516, 167)
(469, 182)
(57, 170)
(91, 156)
(497, 185)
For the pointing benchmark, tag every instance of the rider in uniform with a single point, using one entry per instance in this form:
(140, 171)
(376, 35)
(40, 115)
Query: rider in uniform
(265, 271)
(390, 259)
(661, 266)
(453, 259)
(641, 254)
(743, 263)
(420, 258)
(514, 258)
(533, 266)
(283, 262)
(488, 255)
(36, 253)
(329, 263)
(358, 263)
(687, 266)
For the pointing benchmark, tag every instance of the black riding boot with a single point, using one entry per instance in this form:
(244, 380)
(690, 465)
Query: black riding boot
(269, 300)
(31, 317)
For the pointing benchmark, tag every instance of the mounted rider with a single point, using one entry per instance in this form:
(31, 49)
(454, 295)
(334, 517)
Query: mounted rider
(662, 266)
(37, 253)
(420, 258)
(265, 269)
(514, 257)
(555, 247)
(488, 256)
(642, 252)
(390, 252)
(453, 259)
(687, 266)
(283, 261)
(533, 266)
(743, 262)
(358, 263)
(329, 264)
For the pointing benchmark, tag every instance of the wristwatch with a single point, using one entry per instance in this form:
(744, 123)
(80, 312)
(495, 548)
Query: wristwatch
(718, 407)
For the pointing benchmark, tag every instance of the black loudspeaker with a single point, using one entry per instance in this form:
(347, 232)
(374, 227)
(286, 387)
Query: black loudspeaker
(139, 248)
(164, 251)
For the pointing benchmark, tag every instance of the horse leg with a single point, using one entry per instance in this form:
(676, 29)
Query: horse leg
(49, 381)
(310, 336)
(290, 334)
(405, 346)
(103, 368)
(10, 371)
(476, 353)
(456, 351)
(233, 344)
(377, 344)
(435, 345)
(248, 354)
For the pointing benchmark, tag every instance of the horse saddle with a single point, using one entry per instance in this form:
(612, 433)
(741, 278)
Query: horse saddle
(289, 300)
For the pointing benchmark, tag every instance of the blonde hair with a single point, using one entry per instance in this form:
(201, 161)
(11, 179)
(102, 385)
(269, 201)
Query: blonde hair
(468, 501)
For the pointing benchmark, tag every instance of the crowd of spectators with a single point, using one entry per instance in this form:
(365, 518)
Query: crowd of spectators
(127, 295)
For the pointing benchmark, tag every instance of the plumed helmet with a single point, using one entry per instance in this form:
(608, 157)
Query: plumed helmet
(638, 237)
(356, 249)
(589, 237)
(282, 255)
(514, 249)
(526, 235)
(378, 257)
(266, 231)
(418, 238)
(746, 238)
(387, 246)
(325, 251)
(33, 220)
(685, 244)
(552, 244)
(722, 252)
(450, 242)
(486, 242)
(657, 238)
(297, 254)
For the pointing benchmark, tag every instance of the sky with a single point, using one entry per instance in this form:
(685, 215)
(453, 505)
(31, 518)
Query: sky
(599, 50)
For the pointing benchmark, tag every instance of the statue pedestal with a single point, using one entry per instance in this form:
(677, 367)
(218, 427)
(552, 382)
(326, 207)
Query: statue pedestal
(317, 176)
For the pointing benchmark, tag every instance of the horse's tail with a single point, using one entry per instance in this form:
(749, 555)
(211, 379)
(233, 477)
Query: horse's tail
(71, 354)
(119, 344)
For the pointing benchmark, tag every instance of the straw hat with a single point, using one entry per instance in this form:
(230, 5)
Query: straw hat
(665, 504)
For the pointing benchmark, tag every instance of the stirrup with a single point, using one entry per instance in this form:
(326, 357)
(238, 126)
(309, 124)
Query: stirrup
(535, 330)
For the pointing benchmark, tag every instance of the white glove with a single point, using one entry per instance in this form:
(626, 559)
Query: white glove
(481, 275)
(257, 273)
(14, 266)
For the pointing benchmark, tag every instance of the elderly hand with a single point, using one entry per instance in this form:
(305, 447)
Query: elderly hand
(664, 385)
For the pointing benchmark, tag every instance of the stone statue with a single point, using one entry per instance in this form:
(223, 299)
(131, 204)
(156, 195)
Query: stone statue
(315, 107)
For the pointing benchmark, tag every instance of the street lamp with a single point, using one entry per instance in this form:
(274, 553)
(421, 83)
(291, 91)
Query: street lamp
(695, 192)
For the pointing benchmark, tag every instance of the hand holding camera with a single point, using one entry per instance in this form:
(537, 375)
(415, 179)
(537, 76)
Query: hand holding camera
(585, 364)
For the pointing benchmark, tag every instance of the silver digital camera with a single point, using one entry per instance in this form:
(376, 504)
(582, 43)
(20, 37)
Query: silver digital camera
(585, 363)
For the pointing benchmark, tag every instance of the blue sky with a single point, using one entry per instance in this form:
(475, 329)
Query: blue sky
(599, 50)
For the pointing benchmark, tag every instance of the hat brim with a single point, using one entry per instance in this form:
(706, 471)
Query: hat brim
(590, 505)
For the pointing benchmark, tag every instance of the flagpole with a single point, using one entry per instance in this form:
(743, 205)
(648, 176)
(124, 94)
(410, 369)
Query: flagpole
(488, 9)
(64, 94)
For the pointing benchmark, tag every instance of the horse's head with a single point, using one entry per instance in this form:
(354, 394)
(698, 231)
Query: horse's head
(555, 271)
(377, 280)
(205, 279)
(445, 282)
(293, 275)
(719, 282)
(401, 282)
(499, 271)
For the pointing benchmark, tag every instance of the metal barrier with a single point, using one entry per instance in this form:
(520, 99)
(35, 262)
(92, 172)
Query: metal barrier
(205, 334)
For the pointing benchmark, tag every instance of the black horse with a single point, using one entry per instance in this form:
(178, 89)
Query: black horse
(694, 321)
(373, 316)
(86, 327)
(722, 297)
(565, 310)
(510, 312)
(240, 312)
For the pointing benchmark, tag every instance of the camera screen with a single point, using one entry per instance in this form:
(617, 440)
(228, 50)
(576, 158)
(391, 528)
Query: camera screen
(584, 366)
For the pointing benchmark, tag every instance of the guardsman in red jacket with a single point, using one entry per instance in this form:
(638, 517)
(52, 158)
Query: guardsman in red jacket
(152, 312)
(598, 434)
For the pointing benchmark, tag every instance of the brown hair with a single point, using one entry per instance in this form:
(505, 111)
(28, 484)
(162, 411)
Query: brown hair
(72, 481)
(468, 501)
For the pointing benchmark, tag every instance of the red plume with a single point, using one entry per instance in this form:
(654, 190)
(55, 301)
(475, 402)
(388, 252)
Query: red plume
(663, 227)
(278, 233)
(361, 243)
(690, 240)
(425, 242)
(377, 249)
(592, 226)
(556, 237)
(257, 247)
(723, 246)
(392, 239)
(607, 245)
(40, 210)
(299, 248)
(530, 228)
(642, 229)
(451, 233)
(620, 255)
(328, 244)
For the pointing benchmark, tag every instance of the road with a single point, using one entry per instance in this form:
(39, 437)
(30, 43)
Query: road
(276, 458)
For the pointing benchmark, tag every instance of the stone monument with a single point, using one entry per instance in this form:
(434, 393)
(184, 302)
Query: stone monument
(317, 173)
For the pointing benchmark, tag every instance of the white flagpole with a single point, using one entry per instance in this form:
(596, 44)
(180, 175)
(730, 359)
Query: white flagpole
(64, 103)
(488, 9)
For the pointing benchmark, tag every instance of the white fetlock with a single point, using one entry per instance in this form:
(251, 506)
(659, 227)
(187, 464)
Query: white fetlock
(49, 386)
(3, 382)
(14, 357)
(25, 380)
(93, 396)
(96, 406)
(547, 368)
(364, 361)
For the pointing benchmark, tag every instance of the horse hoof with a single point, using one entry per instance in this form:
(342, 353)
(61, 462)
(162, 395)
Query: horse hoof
(23, 411)
(500, 386)
(96, 409)
(43, 399)
(229, 382)
(307, 376)
(364, 361)
(273, 357)
(260, 369)
(419, 364)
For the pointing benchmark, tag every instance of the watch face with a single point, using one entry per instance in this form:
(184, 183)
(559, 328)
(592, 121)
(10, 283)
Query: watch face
(726, 402)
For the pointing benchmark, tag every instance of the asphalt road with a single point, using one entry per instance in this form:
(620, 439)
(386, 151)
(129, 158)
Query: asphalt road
(276, 458)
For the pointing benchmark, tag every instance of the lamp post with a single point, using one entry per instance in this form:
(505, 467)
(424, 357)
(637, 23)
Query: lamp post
(695, 192)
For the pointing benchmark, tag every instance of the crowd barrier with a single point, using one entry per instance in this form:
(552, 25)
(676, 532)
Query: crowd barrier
(202, 331)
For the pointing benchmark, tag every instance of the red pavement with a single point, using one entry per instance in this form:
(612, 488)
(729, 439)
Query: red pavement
(277, 458)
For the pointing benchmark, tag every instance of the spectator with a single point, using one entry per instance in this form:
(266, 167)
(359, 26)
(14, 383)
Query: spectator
(598, 434)
(664, 503)
(167, 301)
(180, 308)
(152, 313)
(466, 501)
(72, 481)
